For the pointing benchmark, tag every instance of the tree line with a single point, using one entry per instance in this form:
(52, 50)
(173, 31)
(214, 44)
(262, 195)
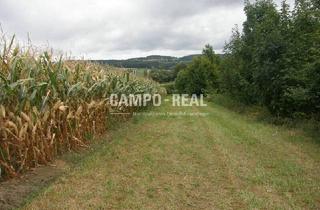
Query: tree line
(274, 61)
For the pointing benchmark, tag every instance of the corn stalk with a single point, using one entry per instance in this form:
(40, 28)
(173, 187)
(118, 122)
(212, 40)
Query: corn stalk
(49, 107)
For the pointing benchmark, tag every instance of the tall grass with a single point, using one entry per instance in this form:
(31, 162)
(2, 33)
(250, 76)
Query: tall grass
(50, 106)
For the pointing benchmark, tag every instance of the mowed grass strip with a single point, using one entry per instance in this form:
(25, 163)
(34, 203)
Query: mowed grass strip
(221, 161)
(276, 167)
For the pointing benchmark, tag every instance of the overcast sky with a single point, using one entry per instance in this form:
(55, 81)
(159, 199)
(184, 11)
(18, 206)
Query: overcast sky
(105, 29)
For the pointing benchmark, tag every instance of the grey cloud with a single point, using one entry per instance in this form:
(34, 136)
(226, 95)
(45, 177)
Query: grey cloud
(181, 8)
(123, 28)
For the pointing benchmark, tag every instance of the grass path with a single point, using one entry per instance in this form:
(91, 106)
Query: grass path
(221, 161)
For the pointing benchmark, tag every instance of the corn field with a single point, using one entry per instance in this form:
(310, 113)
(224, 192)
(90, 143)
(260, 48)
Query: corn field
(50, 106)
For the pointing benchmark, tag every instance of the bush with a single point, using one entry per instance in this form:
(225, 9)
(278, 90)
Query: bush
(162, 76)
(200, 76)
(170, 87)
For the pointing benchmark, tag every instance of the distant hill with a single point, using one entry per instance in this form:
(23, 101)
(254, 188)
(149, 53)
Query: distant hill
(150, 62)
(188, 58)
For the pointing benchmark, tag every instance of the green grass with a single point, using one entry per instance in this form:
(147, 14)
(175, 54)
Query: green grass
(225, 160)
(140, 72)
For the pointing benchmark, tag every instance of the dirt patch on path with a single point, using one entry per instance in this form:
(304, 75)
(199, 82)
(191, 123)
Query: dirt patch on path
(15, 192)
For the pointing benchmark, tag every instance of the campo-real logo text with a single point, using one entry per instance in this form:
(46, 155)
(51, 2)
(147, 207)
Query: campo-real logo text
(143, 100)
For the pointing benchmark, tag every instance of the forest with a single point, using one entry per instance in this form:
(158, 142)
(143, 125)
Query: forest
(274, 61)
(149, 62)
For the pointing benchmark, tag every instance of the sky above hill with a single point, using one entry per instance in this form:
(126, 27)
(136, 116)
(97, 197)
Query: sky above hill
(113, 29)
